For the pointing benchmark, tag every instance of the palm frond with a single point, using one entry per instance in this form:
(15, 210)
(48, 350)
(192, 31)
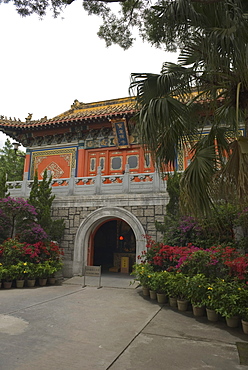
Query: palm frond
(236, 169)
(196, 183)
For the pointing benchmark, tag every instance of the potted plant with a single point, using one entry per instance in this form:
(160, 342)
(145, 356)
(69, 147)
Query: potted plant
(159, 285)
(229, 302)
(172, 289)
(182, 291)
(197, 289)
(1, 274)
(54, 267)
(31, 273)
(151, 283)
(243, 308)
(244, 318)
(8, 274)
(20, 274)
(44, 269)
(212, 299)
(142, 272)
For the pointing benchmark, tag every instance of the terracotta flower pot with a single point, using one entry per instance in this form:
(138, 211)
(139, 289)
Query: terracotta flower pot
(42, 281)
(51, 280)
(161, 298)
(245, 326)
(212, 315)
(153, 294)
(182, 304)
(173, 301)
(198, 311)
(145, 291)
(7, 284)
(232, 322)
(31, 283)
(19, 283)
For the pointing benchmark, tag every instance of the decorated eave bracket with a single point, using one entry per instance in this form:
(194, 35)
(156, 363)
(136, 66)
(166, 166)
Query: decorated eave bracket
(120, 132)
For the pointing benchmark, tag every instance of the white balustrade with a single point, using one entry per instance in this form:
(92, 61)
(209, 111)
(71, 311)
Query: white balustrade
(99, 184)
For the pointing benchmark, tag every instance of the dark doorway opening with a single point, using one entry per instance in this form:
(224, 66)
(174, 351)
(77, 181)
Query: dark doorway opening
(113, 240)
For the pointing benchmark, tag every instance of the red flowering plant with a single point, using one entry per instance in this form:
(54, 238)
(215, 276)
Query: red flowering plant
(203, 262)
(238, 267)
(11, 251)
(170, 258)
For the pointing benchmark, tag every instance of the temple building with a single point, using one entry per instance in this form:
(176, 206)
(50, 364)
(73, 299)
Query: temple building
(107, 188)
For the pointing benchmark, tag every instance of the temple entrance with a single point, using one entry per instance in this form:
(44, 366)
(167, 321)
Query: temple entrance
(111, 241)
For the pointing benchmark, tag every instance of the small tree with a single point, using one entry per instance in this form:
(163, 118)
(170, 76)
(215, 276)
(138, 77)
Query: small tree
(3, 186)
(41, 198)
(15, 215)
(11, 164)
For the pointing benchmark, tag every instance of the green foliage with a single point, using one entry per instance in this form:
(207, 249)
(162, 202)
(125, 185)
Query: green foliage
(230, 298)
(166, 23)
(201, 232)
(15, 215)
(3, 186)
(159, 281)
(213, 37)
(198, 285)
(142, 273)
(41, 198)
(11, 164)
(173, 189)
(9, 272)
(45, 269)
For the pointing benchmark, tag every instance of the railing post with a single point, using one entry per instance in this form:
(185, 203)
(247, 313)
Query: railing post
(71, 182)
(24, 186)
(98, 180)
(126, 180)
(156, 181)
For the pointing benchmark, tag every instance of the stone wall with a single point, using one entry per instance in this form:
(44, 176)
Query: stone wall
(145, 207)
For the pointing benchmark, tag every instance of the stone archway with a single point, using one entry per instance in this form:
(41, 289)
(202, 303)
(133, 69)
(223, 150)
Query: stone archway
(92, 221)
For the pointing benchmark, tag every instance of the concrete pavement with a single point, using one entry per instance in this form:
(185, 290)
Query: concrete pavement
(67, 327)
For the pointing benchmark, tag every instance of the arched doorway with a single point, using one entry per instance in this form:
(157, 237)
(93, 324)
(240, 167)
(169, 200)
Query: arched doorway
(110, 241)
(85, 233)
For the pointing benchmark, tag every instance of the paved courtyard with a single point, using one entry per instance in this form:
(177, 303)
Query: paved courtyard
(68, 327)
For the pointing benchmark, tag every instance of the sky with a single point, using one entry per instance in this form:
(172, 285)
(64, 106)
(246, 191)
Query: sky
(46, 64)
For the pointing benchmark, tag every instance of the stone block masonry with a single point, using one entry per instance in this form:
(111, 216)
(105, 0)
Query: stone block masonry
(144, 210)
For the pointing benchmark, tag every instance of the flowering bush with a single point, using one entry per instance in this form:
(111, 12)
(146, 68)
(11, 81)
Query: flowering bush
(20, 270)
(213, 294)
(46, 269)
(198, 285)
(181, 282)
(11, 251)
(32, 233)
(172, 288)
(9, 272)
(229, 302)
(159, 281)
(31, 270)
(18, 212)
(32, 260)
(243, 302)
(142, 272)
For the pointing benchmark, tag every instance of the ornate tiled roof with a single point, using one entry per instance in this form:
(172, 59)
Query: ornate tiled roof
(78, 112)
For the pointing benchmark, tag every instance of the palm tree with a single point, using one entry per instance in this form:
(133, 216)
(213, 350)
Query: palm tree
(201, 100)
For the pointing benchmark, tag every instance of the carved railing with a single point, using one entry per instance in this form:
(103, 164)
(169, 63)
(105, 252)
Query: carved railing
(100, 184)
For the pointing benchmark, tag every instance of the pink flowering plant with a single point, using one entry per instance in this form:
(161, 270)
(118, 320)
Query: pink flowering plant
(18, 212)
